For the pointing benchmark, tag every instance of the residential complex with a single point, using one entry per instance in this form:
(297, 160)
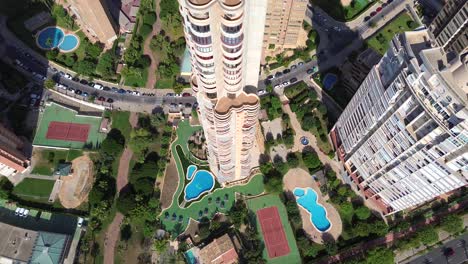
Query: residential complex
(225, 40)
(403, 138)
(95, 17)
(450, 27)
(124, 13)
(12, 159)
(283, 25)
(222, 250)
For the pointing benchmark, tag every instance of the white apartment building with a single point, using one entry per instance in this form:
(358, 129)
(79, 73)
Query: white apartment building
(224, 38)
(403, 138)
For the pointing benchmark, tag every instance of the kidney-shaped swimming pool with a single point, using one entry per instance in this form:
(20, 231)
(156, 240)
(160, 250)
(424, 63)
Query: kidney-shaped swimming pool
(307, 199)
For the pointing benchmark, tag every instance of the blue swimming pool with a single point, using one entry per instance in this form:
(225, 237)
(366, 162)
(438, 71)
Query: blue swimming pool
(50, 38)
(190, 257)
(190, 170)
(307, 199)
(69, 43)
(201, 182)
(329, 81)
(54, 37)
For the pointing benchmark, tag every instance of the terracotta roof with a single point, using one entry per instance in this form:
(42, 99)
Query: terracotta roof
(225, 103)
(220, 251)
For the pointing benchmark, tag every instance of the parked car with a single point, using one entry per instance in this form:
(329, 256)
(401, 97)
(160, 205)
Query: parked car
(106, 88)
(68, 76)
(25, 213)
(373, 13)
(75, 79)
(121, 91)
(261, 92)
(71, 89)
(286, 83)
(448, 252)
(310, 71)
(269, 77)
(85, 94)
(173, 105)
(186, 94)
(21, 211)
(80, 222)
(300, 63)
(83, 81)
(293, 67)
(278, 74)
(98, 86)
(91, 84)
(286, 71)
(110, 100)
(136, 93)
(78, 92)
(188, 105)
(17, 210)
(170, 94)
(366, 18)
(293, 80)
(378, 9)
(101, 98)
(195, 105)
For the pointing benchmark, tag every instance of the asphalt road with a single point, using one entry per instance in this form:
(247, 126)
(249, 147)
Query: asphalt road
(436, 256)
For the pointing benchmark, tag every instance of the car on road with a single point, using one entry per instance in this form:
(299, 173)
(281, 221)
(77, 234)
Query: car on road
(75, 79)
(278, 74)
(121, 91)
(286, 83)
(448, 252)
(173, 105)
(17, 211)
(68, 76)
(293, 80)
(300, 63)
(169, 94)
(21, 211)
(378, 9)
(101, 98)
(26, 212)
(106, 88)
(83, 81)
(80, 222)
(293, 67)
(85, 94)
(269, 77)
(71, 89)
(115, 90)
(78, 92)
(373, 13)
(91, 84)
(110, 100)
(195, 105)
(186, 94)
(366, 18)
(98, 86)
(286, 71)
(261, 92)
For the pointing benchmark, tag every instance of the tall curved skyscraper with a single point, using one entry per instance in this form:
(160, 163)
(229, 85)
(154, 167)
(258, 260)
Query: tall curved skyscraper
(225, 42)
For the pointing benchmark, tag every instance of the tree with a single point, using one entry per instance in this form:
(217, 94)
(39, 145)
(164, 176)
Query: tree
(126, 202)
(307, 248)
(362, 212)
(347, 211)
(292, 160)
(113, 143)
(238, 213)
(380, 255)
(6, 188)
(452, 223)
(49, 84)
(84, 67)
(379, 228)
(106, 64)
(309, 121)
(331, 248)
(160, 245)
(311, 159)
(428, 235)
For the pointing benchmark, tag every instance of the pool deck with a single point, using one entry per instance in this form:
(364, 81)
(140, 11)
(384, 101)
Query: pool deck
(299, 178)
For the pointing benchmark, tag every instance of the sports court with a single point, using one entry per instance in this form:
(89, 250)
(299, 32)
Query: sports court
(274, 229)
(68, 131)
(273, 232)
(63, 127)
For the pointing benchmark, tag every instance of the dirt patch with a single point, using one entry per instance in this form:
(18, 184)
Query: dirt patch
(169, 187)
(112, 236)
(124, 163)
(345, 2)
(75, 188)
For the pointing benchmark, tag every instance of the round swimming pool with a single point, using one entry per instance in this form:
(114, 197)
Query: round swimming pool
(54, 37)
(50, 38)
(69, 43)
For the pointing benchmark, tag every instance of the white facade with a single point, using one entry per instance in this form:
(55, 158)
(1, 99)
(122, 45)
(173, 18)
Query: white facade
(403, 138)
(225, 54)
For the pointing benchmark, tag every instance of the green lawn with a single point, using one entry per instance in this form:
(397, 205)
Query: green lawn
(357, 7)
(261, 202)
(164, 84)
(55, 112)
(120, 121)
(253, 187)
(137, 78)
(379, 41)
(47, 160)
(31, 189)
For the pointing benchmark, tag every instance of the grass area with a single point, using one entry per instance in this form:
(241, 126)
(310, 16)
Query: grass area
(165, 84)
(356, 7)
(335, 9)
(380, 40)
(120, 121)
(253, 187)
(137, 77)
(261, 202)
(47, 160)
(31, 189)
(55, 112)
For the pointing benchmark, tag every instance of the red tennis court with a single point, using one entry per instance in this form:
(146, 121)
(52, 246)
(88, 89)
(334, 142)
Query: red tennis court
(68, 131)
(273, 232)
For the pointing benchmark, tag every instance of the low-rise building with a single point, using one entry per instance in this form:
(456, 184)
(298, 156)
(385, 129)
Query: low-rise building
(12, 159)
(222, 250)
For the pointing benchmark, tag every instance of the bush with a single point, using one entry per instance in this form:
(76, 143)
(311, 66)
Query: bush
(145, 30)
(452, 223)
(428, 235)
(362, 212)
(311, 159)
(126, 202)
(149, 18)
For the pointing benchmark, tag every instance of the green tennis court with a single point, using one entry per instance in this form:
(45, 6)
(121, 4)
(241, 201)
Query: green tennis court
(57, 113)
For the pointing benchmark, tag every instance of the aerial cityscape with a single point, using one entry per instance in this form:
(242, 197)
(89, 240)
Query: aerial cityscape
(233, 131)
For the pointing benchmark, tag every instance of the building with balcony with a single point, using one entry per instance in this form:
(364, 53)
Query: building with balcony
(12, 159)
(403, 138)
(283, 25)
(224, 38)
(449, 28)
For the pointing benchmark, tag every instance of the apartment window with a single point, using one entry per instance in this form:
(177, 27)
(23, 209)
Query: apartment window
(201, 40)
(232, 41)
(211, 95)
(232, 30)
(201, 29)
(204, 49)
(232, 50)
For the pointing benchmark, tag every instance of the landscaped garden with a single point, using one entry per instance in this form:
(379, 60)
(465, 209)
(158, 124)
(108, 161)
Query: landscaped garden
(46, 160)
(381, 39)
(34, 189)
(344, 10)
(176, 218)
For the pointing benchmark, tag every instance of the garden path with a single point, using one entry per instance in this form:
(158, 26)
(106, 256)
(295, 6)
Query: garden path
(147, 50)
(113, 231)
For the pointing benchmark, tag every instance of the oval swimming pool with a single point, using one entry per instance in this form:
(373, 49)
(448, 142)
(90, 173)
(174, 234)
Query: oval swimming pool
(50, 38)
(307, 199)
(69, 43)
(202, 182)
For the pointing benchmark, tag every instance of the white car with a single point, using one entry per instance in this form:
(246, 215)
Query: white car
(261, 92)
(68, 76)
(21, 211)
(17, 210)
(25, 213)
(278, 86)
(98, 86)
(80, 222)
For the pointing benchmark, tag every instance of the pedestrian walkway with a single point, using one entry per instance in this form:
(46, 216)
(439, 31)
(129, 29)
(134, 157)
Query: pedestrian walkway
(148, 52)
